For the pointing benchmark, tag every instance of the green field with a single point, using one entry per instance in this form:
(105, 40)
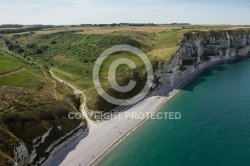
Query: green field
(22, 79)
(9, 63)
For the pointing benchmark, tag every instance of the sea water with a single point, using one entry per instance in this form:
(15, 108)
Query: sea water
(214, 128)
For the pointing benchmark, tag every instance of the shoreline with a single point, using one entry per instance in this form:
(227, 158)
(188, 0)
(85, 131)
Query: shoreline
(97, 149)
(173, 93)
(128, 133)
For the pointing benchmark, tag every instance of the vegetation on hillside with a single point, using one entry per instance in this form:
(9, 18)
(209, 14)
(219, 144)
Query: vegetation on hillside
(194, 35)
(71, 55)
(11, 26)
(19, 30)
(31, 104)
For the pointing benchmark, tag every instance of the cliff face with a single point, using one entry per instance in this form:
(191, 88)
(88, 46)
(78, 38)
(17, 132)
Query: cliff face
(22, 156)
(200, 48)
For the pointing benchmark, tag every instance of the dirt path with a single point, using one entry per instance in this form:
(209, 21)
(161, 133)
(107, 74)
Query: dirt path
(76, 91)
(12, 72)
(57, 95)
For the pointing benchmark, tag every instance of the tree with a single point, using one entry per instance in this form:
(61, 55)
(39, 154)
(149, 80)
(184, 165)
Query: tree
(53, 42)
(7, 42)
(20, 50)
(11, 47)
(31, 45)
(39, 51)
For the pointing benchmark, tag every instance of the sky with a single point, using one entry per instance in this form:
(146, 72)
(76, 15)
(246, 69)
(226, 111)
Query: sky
(66, 12)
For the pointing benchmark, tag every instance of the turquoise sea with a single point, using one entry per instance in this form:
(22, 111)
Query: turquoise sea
(214, 129)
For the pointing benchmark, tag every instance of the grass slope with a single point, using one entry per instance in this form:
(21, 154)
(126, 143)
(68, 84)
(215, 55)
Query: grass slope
(8, 63)
(70, 52)
(31, 104)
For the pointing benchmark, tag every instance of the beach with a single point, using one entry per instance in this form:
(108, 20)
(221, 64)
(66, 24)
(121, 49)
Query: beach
(102, 137)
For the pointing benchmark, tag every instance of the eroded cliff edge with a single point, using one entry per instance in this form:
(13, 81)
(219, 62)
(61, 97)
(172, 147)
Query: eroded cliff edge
(199, 48)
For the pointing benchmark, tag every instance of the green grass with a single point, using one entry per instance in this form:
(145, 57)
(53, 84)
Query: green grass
(166, 45)
(83, 50)
(79, 80)
(168, 39)
(22, 79)
(65, 75)
(8, 63)
(36, 71)
(122, 71)
(29, 107)
(71, 56)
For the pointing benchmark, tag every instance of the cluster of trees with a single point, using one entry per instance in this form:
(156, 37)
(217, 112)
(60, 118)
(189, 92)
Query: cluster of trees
(23, 34)
(14, 46)
(82, 49)
(108, 41)
(30, 49)
(178, 24)
(20, 30)
(11, 26)
(115, 25)
(34, 49)
(126, 24)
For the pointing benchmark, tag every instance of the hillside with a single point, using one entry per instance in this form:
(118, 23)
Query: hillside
(71, 54)
(33, 111)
